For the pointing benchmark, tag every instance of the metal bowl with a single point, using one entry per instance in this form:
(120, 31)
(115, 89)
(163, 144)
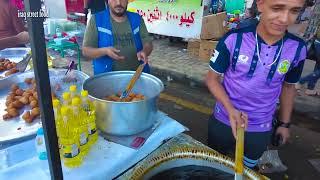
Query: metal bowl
(14, 52)
(124, 118)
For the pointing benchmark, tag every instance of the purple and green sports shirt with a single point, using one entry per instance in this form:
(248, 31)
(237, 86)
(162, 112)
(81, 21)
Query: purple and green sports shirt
(254, 86)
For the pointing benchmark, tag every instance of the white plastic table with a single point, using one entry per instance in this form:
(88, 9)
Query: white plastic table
(106, 160)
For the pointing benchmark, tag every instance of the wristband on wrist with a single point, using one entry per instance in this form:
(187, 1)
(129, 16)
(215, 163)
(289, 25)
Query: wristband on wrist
(282, 124)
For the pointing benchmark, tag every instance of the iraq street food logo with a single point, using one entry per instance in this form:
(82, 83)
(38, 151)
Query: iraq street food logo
(284, 67)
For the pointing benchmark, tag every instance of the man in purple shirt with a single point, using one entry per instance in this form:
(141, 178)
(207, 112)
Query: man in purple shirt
(260, 65)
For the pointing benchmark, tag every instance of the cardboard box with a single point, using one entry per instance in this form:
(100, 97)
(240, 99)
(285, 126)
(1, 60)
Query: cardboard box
(194, 43)
(193, 47)
(193, 52)
(213, 26)
(206, 49)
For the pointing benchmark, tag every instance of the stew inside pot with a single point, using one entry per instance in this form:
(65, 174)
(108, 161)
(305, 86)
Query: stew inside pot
(131, 97)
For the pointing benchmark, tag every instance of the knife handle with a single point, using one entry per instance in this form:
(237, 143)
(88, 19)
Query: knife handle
(239, 151)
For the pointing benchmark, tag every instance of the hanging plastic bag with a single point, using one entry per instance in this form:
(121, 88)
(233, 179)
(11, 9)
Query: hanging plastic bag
(270, 162)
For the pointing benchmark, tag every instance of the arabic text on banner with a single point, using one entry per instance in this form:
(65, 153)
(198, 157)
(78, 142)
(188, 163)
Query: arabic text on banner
(176, 18)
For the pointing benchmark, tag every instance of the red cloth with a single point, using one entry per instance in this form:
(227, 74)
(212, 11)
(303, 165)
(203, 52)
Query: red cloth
(19, 4)
(73, 6)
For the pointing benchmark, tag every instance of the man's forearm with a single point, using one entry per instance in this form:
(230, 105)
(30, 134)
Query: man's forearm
(288, 94)
(93, 53)
(9, 42)
(147, 48)
(215, 87)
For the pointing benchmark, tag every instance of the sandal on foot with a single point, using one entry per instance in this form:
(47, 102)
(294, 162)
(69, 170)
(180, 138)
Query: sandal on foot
(309, 92)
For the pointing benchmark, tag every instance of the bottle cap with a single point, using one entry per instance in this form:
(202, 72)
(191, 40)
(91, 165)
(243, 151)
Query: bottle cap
(64, 110)
(40, 131)
(76, 101)
(73, 88)
(84, 93)
(66, 95)
(55, 103)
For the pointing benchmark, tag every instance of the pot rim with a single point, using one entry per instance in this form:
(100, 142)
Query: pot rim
(124, 72)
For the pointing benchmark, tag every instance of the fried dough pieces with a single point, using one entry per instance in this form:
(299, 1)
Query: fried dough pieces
(19, 98)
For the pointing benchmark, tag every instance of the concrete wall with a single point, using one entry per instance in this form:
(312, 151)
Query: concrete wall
(57, 8)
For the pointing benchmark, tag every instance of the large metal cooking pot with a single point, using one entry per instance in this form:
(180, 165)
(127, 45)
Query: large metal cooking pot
(124, 118)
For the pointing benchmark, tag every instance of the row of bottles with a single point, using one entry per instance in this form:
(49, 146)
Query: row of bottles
(75, 124)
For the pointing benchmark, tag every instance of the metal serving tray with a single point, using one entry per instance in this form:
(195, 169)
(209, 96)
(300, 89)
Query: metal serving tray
(16, 129)
(15, 55)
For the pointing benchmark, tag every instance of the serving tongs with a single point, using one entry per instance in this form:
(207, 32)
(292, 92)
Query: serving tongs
(132, 82)
(22, 65)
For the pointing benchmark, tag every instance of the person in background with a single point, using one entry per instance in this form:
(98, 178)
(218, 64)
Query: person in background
(14, 41)
(309, 3)
(10, 23)
(221, 6)
(93, 6)
(312, 36)
(116, 39)
(313, 77)
(214, 6)
(250, 18)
